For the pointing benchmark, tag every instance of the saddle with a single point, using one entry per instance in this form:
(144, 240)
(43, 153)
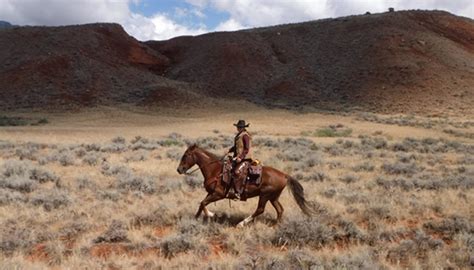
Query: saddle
(254, 175)
(252, 171)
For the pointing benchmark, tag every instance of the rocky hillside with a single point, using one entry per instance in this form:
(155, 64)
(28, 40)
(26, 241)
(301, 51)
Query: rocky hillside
(408, 61)
(76, 66)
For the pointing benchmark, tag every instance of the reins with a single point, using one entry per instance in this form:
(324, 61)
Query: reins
(189, 173)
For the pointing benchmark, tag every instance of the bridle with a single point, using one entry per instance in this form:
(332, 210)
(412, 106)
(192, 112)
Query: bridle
(203, 166)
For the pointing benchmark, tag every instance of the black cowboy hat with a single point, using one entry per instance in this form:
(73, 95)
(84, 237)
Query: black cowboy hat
(241, 124)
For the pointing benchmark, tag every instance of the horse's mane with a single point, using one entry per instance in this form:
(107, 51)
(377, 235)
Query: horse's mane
(210, 154)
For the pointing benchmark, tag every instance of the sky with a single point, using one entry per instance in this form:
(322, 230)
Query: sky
(165, 19)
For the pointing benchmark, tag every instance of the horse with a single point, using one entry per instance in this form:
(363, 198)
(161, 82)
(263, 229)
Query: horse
(272, 184)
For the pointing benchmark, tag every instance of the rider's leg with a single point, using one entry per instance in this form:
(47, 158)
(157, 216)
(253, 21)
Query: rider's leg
(238, 175)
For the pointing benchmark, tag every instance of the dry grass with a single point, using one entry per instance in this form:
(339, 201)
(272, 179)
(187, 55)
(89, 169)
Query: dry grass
(77, 195)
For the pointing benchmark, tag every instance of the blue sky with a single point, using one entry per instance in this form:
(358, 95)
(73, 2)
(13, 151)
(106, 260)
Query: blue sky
(164, 19)
(174, 9)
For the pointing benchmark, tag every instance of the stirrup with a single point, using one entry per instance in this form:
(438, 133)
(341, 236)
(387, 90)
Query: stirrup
(232, 195)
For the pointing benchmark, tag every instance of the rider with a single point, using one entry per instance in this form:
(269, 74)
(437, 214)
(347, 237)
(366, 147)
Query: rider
(241, 154)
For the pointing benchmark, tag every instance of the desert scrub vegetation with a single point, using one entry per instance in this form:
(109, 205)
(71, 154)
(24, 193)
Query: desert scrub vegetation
(382, 203)
(337, 130)
(414, 121)
(23, 176)
(20, 121)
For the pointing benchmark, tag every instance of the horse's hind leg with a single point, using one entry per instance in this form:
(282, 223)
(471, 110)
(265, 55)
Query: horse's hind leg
(279, 209)
(262, 201)
(211, 197)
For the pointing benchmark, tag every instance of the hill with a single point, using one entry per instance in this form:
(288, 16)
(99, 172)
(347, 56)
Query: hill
(4, 24)
(75, 66)
(397, 62)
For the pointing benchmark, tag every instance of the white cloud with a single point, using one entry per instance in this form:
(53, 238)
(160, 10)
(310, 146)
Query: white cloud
(60, 12)
(253, 13)
(229, 25)
(242, 13)
(158, 27)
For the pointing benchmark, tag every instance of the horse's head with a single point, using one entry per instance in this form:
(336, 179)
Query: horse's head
(187, 160)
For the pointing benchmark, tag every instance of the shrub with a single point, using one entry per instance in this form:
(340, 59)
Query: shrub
(332, 132)
(193, 181)
(307, 232)
(450, 226)
(265, 142)
(66, 159)
(18, 183)
(130, 181)
(92, 159)
(110, 170)
(119, 140)
(84, 182)
(12, 121)
(174, 154)
(23, 176)
(334, 150)
(42, 175)
(193, 227)
(417, 247)
(175, 244)
(10, 196)
(15, 237)
(378, 212)
(290, 155)
(401, 168)
(405, 184)
(364, 260)
(114, 148)
(80, 152)
(117, 232)
(317, 176)
(92, 147)
(329, 193)
(373, 142)
(350, 231)
(26, 153)
(43, 121)
(350, 178)
(137, 156)
(51, 199)
(301, 259)
(161, 216)
(406, 158)
(365, 166)
(14, 167)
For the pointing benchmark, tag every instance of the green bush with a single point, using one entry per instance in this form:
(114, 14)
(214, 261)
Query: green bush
(330, 132)
(12, 121)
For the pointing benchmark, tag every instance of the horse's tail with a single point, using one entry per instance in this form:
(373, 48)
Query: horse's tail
(298, 193)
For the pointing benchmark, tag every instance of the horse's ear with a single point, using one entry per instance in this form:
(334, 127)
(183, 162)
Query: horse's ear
(192, 146)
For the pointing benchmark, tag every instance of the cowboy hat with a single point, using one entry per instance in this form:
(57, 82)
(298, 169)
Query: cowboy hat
(241, 124)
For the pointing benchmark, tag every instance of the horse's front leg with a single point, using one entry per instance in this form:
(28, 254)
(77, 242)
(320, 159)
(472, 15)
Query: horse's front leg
(211, 197)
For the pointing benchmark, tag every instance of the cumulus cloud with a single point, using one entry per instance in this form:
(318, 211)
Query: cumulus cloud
(158, 27)
(254, 13)
(188, 20)
(60, 12)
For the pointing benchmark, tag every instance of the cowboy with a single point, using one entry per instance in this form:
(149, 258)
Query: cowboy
(241, 155)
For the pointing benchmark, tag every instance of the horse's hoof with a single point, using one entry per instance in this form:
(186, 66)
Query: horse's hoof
(241, 224)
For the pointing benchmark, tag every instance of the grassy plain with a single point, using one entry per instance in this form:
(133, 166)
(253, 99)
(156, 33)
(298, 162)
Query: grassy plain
(99, 189)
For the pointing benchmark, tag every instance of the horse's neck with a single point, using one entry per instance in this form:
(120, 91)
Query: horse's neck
(207, 164)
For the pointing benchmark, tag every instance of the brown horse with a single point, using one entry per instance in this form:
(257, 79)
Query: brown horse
(272, 184)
